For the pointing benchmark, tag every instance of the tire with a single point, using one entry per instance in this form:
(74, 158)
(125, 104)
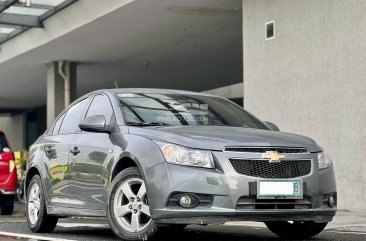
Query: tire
(20, 193)
(7, 204)
(134, 204)
(41, 223)
(296, 230)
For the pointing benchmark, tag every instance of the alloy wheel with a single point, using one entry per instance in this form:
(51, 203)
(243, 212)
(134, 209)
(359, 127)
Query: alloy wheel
(131, 207)
(34, 203)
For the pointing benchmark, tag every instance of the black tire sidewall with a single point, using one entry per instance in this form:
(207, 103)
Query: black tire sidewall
(296, 231)
(132, 172)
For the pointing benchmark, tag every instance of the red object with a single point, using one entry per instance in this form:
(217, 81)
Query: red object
(8, 177)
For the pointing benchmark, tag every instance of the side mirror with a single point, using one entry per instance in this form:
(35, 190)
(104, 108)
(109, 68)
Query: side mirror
(95, 123)
(272, 126)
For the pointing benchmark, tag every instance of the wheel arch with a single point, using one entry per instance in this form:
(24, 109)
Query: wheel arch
(30, 174)
(123, 163)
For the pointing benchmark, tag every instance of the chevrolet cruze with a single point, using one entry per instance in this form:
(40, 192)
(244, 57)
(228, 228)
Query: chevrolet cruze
(150, 159)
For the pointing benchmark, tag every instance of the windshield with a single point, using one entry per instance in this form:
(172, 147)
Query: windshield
(184, 110)
(3, 143)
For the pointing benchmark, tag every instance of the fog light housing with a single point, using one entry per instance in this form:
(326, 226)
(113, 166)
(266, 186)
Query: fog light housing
(188, 201)
(332, 200)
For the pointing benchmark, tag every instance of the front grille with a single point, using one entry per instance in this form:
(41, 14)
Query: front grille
(281, 150)
(258, 204)
(265, 169)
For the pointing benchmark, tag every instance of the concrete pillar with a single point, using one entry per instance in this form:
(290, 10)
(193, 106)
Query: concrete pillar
(14, 128)
(57, 74)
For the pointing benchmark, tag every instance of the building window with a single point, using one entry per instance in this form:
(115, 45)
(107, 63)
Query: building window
(270, 30)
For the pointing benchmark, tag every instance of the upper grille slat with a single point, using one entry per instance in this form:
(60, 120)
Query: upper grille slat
(265, 169)
(282, 150)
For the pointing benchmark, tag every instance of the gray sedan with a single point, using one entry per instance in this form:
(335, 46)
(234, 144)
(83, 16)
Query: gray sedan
(150, 159)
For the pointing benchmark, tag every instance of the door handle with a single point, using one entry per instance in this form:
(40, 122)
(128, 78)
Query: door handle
(75, 151)
(49, 149)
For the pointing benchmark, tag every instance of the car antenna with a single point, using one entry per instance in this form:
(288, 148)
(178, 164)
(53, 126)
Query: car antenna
(115, 83)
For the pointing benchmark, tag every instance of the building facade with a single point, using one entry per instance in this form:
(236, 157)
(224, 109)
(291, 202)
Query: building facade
(310, 79)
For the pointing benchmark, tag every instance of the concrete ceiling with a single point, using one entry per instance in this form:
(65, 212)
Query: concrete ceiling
(191, 44)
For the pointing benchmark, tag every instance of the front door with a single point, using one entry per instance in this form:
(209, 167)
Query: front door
(87, 171)
(90, 154)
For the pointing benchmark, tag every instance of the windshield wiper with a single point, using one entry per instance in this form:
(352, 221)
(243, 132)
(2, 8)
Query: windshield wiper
(147, 124)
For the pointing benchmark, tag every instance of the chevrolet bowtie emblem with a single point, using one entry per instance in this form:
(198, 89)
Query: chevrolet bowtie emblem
(273, 156)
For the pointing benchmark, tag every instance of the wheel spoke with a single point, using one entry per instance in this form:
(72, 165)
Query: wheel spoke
(30, 198)
(145, 209)
(127, 191)
(37, 204)
(33, 210)
(142, 191)
(122, 211)
(37, 193)
(135, 221)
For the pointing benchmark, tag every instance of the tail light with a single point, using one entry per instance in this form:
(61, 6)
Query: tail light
(8, 157)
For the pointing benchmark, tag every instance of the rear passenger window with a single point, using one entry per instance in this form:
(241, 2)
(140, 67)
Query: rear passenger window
(50, 130)
(72, 119)
(57, 125)
(101, 106)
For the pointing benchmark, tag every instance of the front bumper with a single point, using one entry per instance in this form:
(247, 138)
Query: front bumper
(226, 188)
(319, 216)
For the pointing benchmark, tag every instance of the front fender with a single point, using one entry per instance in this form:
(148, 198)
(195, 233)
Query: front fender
(147, 156)
(143, 151)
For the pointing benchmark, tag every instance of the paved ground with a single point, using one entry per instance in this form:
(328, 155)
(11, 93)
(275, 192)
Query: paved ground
(346, 226)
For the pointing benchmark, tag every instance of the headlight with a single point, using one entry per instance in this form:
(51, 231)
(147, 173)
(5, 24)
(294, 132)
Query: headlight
(185, 156)
(324, 160)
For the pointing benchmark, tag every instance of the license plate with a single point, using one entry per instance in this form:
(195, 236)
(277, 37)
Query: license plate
(280, 189)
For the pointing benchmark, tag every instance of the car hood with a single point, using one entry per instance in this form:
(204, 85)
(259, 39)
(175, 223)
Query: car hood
(219, 137)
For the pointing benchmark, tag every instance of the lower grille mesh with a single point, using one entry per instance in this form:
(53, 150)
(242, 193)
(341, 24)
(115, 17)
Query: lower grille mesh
(253, 203)
(265, 169)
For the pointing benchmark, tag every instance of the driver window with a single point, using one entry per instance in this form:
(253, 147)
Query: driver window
(101, 106)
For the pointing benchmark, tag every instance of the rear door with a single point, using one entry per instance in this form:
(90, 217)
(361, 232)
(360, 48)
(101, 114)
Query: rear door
(87, 167)
(57, 152)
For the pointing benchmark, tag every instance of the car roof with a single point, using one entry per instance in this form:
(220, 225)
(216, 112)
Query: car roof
(154, 91)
